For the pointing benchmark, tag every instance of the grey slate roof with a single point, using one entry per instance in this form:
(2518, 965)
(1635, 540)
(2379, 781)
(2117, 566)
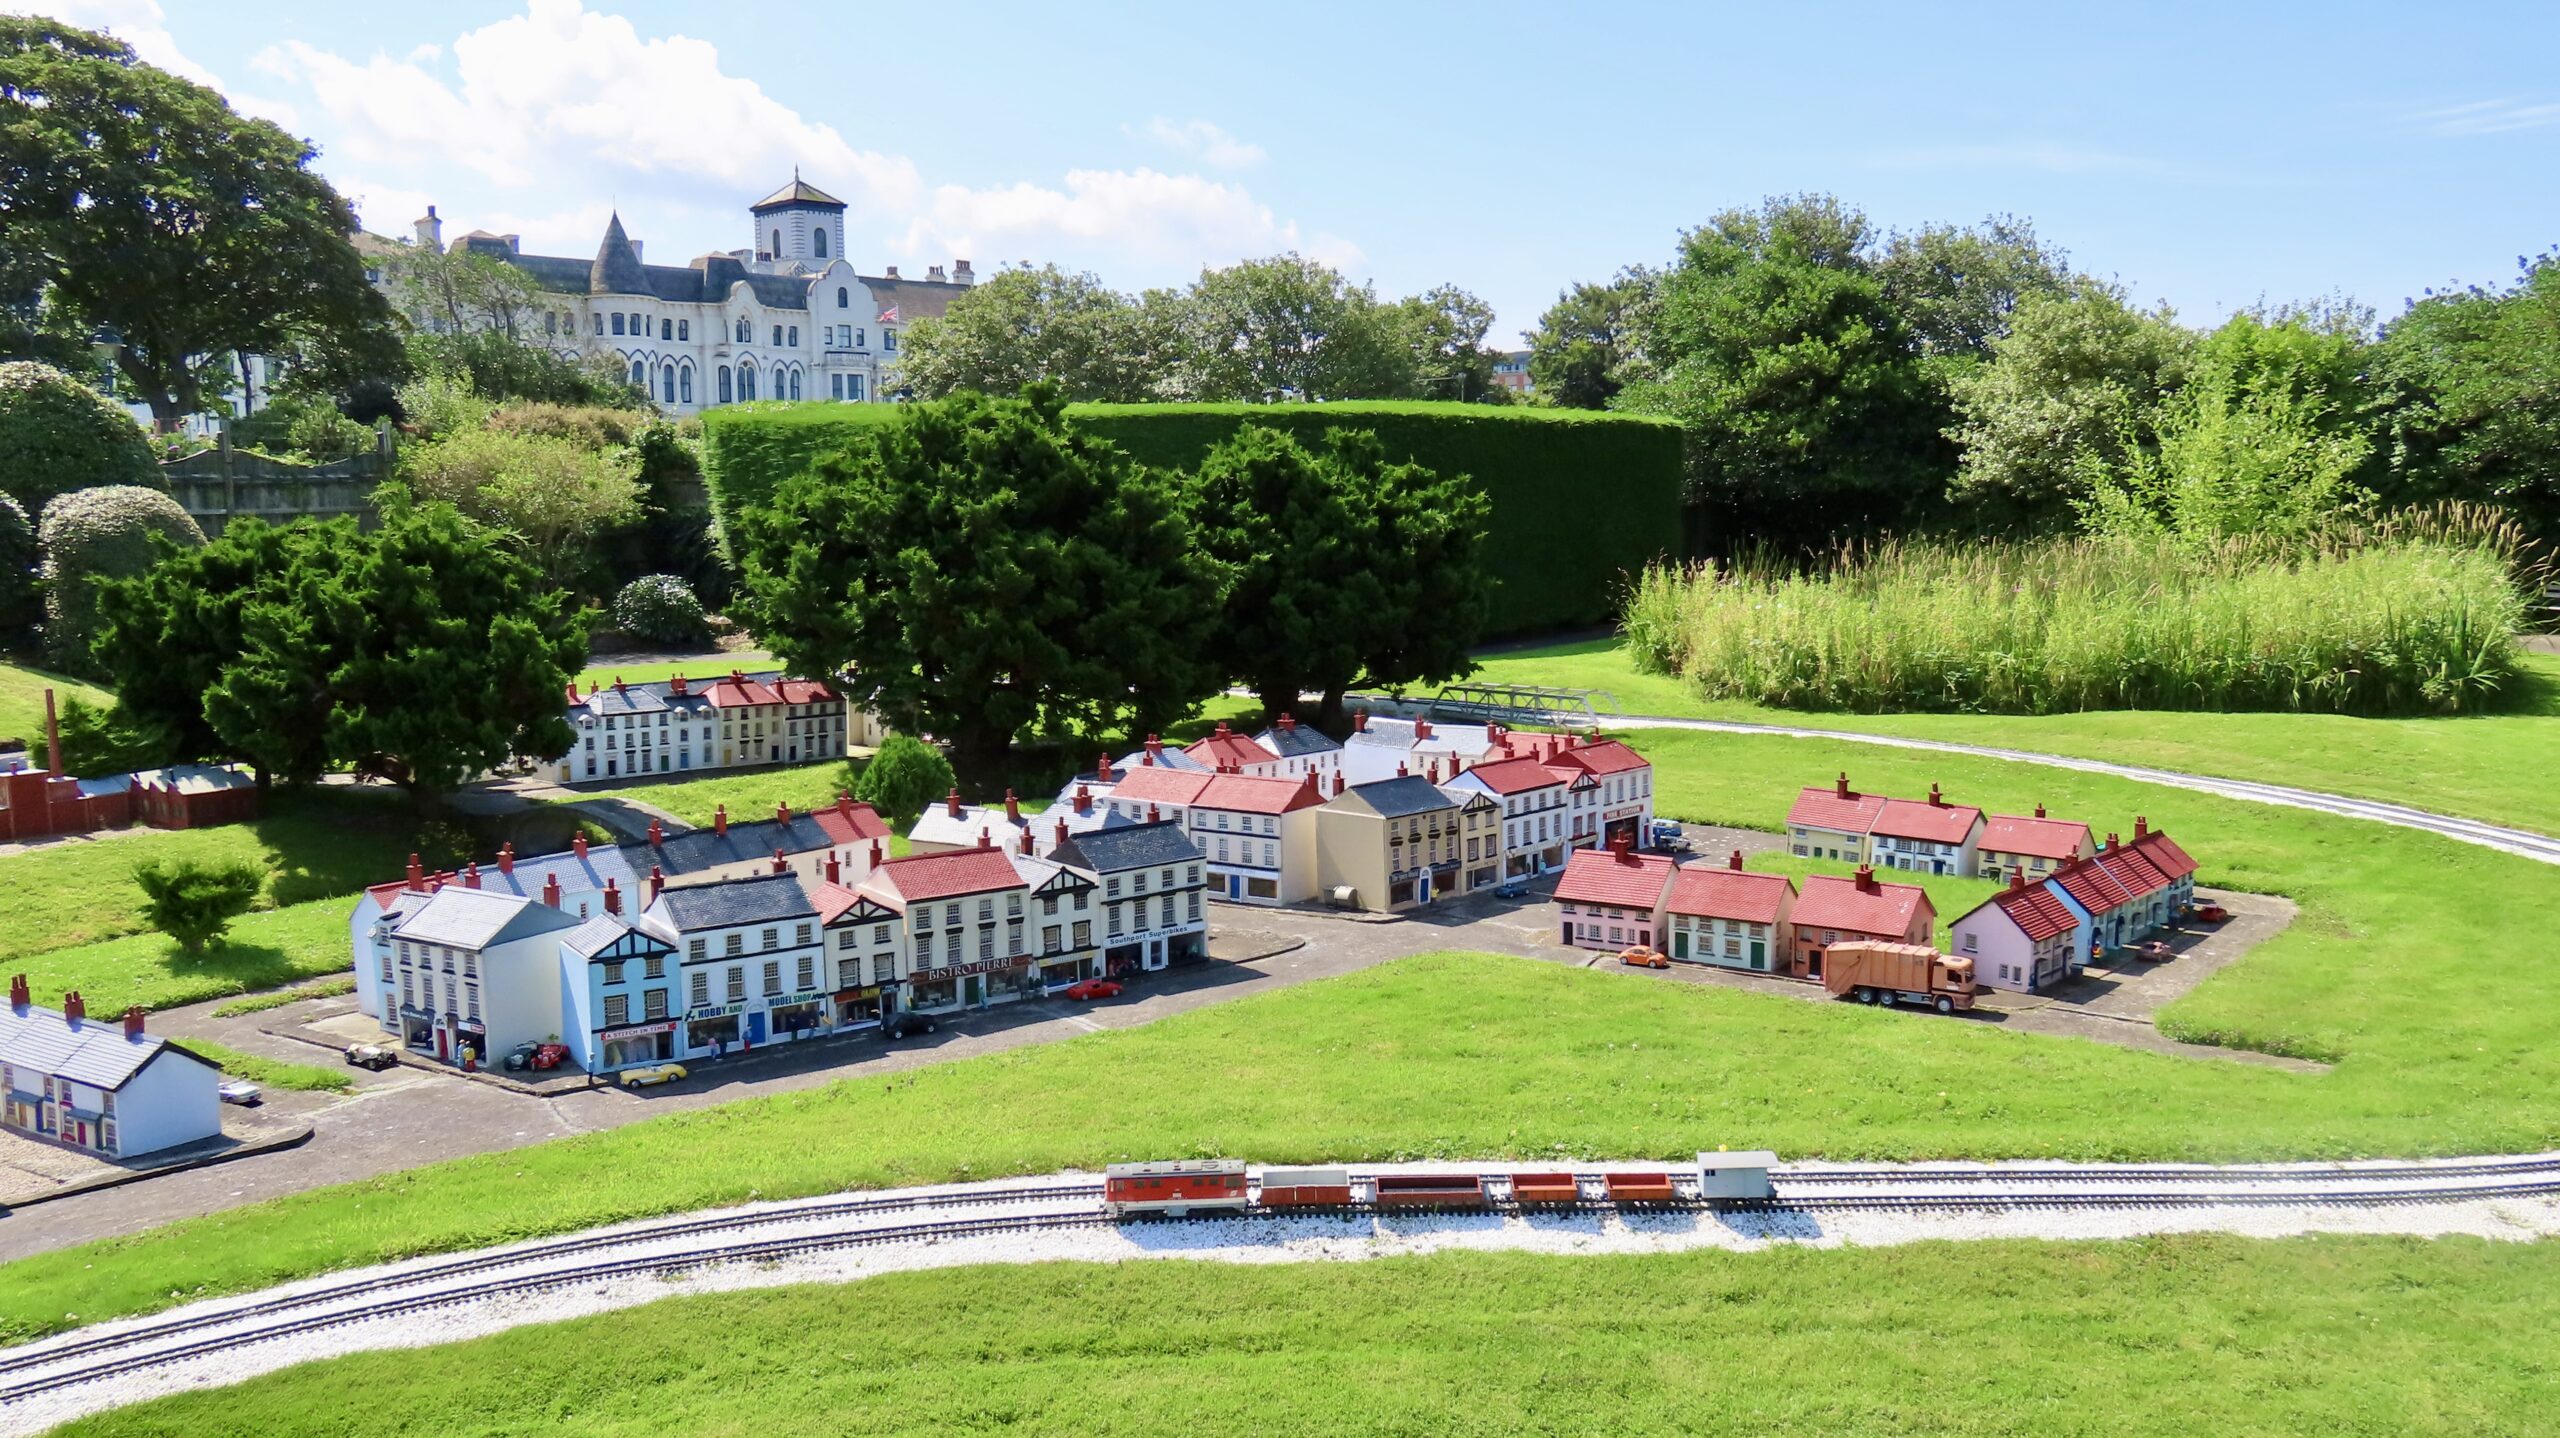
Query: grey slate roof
(1296, 741)
(798, 192)
(617, 269)
(600, 933)
(1409, 794)
(42, 1041)
(740, 901)
(606, 698)
(1138, 846)
(469, 918)
(695, 850)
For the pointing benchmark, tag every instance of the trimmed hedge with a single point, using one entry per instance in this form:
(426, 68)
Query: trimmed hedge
(1581, 501)
(58, 435)
(93, 534)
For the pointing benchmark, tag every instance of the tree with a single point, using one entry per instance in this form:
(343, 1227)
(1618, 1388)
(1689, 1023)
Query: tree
(661, 609)
(905, 778)
(557, 498)
(2077, 374)
(498, 368)
(213, 657)
(97, 740)
(1291, 328)
(1025, 325)
(194, 901)
(458, 291)
(1446, 327)
(1288, 534)
(152, 209)
(1957, 287)
(2470, 381)
(1578, 352)
(1425, 535)
(1772, 342)
(980, 564)
(89, 535)
(2232, 461)
(21, 596)
(57, 435)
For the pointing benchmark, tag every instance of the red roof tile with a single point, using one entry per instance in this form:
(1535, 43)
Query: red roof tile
(2056, 839)
(832, 900)
(1606, 756)
(1239, 749)
(1918, 819)
(1518, 776)
(1257, 794)
(1153, 785)
(1720, 893)
(2091, 886)
(1623, 881)
(803, 691)
(2035, 909)
(1830, 902)
(728, 693)
(846, 824)
(953, 871)
(2165, 853)
(1822, 808)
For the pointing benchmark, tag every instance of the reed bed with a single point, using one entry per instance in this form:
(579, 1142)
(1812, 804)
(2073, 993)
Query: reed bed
(2414, 618)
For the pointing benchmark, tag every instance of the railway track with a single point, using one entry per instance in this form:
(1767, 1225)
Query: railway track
(82, 1359)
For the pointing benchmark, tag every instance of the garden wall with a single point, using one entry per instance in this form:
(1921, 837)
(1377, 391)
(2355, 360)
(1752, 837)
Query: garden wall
(1581, 501)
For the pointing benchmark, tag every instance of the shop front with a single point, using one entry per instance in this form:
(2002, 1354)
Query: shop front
(711, 1032)
(795, 1017)
(861, 1008)
(638, 1044)
(1060, 970)
(969, 985)
(417, 1030)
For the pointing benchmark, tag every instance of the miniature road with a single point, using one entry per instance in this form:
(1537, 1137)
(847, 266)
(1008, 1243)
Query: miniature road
(407, 1116)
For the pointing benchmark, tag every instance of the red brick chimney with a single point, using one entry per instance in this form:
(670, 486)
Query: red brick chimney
(1623, 845)
(1012, 808)
(1288, 723)
(551, 891)
(875, 853)
(1401, 771)
(1867, 880)
(1840, 787)
(417, 873)
(1359, 721)
(471, 875)
(782, 813)
(986, 839)
(2017, 878)
(1026, 842)
(612, 897)
(1102, 769)
(1337, 781)
(1061, 834)
(18, 996)
(507, 857)
(657, 833)
(133, 1021)
(657, 882)
(1421, 729)
(1154, 814)
(951, 804)
(2039, 811)
(1221, 732)
(1734, 862)
(1084, 801)
(1431, 771)
(781, 865)
(1311, 786)
(74, 1008)
(578, 843)
(676, 685)
(2141, 828)
(573, 691)
(835, 871)
(720, 821)
(1936, 800)
(2111, 843)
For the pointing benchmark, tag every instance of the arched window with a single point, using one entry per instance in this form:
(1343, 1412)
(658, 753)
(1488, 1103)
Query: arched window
(777, 242)
(795, 384)
(746, 332)
(666, 329)
(777, 336)
(550, 323)
(684, 329)
(843, 298)
(724, 384)
(617, 324)
(821, 238)
(795, 337)
(684, 384)
(746, 381)
(667, 383)
(599, 324)
(640, 376)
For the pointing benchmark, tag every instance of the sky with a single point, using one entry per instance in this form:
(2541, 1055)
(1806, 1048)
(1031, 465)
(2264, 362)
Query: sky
(2208, 156)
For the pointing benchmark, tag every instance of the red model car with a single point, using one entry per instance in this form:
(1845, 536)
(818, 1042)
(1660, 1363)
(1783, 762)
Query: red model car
(1094, 989)
(2209, 913)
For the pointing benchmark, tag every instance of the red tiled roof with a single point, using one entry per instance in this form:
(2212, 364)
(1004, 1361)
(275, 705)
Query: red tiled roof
(2091, 886)
(2058, 839)
(1605, 756)
(2035, 909)
(803, 691)
(1720, 893)
(1822, 808)
(1257, 794)
(1623, 881)
(845, 824)
(738, 693)
(832, 900)
(1239, 749)
(1830, 902)
(1917, 819)
(2165, 853)
(953, 871)
(1518, 776)
(1149, 784)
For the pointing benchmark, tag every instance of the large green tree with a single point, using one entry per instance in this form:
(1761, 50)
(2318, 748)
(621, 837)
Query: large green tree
(1773, 343)
(1425, 535)
(151, 208)
(1957, 287)
(1021, 326)
(1580, 351)
(557, 498)
(2471, 379)
(1290, 531)
(980, 565)
(1292, 328)
(1447, 327)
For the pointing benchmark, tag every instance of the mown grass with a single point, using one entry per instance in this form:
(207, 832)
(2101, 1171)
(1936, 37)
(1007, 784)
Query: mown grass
(264, 949)
(606, 670)
(270, 1073)
(2169, 1337)
(278, 998)
(1950, 895)
(2387, 625)
(22, 703)
(2404, 970)
(2495, 767)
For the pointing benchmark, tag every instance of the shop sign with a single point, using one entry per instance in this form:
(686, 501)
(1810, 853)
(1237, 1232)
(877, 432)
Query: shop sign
(636, 1031)
(846, 996)
(962, 971)
(793, 1001)
(717, 1011)
(1623, 811)
(473, 1026)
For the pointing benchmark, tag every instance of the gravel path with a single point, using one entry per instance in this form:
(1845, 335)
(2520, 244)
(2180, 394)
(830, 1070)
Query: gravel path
(1251, 1240)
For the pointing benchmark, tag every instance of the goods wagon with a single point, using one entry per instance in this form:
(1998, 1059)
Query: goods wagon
(1306, 1188)
(1429, 1190)
(1640, 1188)
(1539, 1190)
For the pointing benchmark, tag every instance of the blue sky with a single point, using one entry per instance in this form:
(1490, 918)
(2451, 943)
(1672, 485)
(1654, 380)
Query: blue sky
(2206, 155)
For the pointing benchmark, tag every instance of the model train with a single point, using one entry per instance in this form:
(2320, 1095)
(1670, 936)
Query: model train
(1211, 1186)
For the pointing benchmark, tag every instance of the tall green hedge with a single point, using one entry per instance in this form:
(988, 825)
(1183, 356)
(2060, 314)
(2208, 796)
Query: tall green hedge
(1581, 501)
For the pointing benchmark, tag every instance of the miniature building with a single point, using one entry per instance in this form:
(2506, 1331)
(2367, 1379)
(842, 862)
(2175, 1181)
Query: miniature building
(1926, 837)
(2034, 846)
(1830, 910)
(1150, 876)
(1612, 898)
(1832, 823)
(1302, 749)
(111, 1089)
(1726, 916)
(1397, 843)
(2125, 893)
(677, 725)
(2024, 938)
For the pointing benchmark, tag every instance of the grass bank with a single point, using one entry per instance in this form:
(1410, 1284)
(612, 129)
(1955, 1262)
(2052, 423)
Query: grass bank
(607, 669)
(2483, 766)
(2166, 1337)
(271, 1073)
(264, 950)
(2399, 626)
(278, 998)
(22, 702)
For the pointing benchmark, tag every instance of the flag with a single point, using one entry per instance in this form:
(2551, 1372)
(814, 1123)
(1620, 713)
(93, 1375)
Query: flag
(889, 316)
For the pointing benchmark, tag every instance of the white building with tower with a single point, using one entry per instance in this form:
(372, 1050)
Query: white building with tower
(788, 317)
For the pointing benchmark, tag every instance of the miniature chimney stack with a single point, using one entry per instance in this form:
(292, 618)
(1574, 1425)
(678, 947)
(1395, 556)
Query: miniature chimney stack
(2111, 842)
(612, 896)
(133, 1021)
(578, 844)
(1733, 861)
(507, 857)
(2141, 828)
(835, 870)
(1288, 723)
(1421, 728)
(951, 804)
(619, 687)
(1623, 845)
(1311, 786)
(74, 1008)
(844, 803)
(657, 882)
(551, 891)
(1866, 879)
(18, 995)
(1221, 732)
(1401, 771)
(676, 685)
(573, 691)
(1102, 769)
(1431, 771)
(471, 875)
(1026, 843)
(1084, 801)
(1337, 781)
(1154, 814)
(781, 865)
(1012, 808)
(2017, 878)
(417, 873)
(1840, 786)
(1155, 743)
(720, 820)
(1359, 721)
(2039, 811)
(986, 840)
(1061, 832)
(782, 813)
(875, 853)
(1936, 800)
(657, 833)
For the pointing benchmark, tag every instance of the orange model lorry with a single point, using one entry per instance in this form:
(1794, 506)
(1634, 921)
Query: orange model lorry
(1880, 973)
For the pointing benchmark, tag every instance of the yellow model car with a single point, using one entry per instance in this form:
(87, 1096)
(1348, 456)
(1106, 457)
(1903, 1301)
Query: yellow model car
(652, 1075)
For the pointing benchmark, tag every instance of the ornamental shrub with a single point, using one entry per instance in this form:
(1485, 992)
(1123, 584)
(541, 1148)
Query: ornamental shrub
(21, 602)
(661, 609)
(93, 534)
(57, 435)
(592, 426)
(194, 902)
(905, 776)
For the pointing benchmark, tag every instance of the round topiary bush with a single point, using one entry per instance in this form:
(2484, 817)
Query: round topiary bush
(58, 435)
(21, 602)
(93, 534)
(661, 609)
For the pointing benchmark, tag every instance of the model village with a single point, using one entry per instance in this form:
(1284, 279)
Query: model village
(628, 962)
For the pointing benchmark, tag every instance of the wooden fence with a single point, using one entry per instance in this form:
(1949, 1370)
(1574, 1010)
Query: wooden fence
(217, 485)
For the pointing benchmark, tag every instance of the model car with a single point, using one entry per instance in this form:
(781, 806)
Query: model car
(1644, 958)
(239, 1091)
(1094, 989)
(540, 1057)
(2208, 913)
(902, 1026)
(1511, 888)
(651, 1075)
(2154, 950)
(371, 1056)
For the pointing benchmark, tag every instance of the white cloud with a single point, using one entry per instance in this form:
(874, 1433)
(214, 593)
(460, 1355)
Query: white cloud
(2488, 117)
(558, 114)
(1214, 146)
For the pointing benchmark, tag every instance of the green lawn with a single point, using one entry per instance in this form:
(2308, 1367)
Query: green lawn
(605, 671)
(1950, 895)
(2162, 1338)
(22, 703)
(277, 998)
(265, 949)
(2402, 971)
(271, 1073)
(2495, 767)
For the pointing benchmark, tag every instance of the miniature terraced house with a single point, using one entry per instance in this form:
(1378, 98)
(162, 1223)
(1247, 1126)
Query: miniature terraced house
(1258, 835)
(110, 1089)
(1400, 843)
(1925, 837)
(1611, 899)
(2035, 846)
(1830, 909)
(749, 972)
(2025, 938)
(478, 970)
(2125, 893)
(1535, 819)
(1150, 877)
(1729, 917)
(966, 922)
(623, 993)
(675, 726)
(1832, 823)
